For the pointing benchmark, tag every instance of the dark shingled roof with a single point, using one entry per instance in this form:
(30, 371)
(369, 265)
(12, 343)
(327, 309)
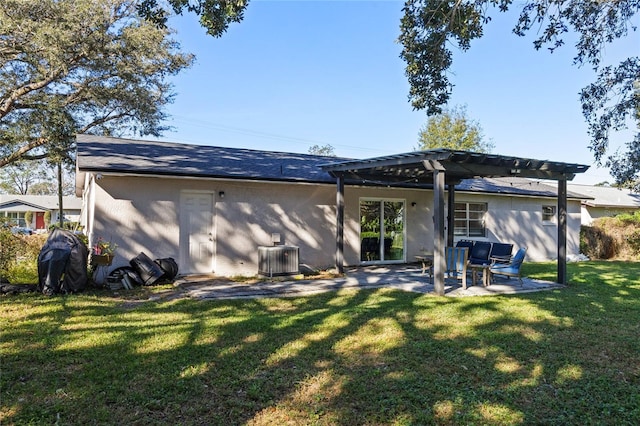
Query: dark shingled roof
(114, 155)
(131, 156)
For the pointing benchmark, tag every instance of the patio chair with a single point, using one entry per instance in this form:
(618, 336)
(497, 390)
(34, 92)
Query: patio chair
(480, 253)
(500, 253)
(511, 269)
(456, 263)
(465, 243)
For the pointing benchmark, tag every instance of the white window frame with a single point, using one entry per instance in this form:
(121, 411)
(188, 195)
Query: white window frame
(549, 214)
(383, 230)
(18, 219)
(468, 219)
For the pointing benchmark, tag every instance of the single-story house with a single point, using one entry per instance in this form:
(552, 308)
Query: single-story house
(211, 208)
(15, 208)
(603, 201)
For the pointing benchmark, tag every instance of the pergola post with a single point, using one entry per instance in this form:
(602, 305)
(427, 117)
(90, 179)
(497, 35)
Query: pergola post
(438, 231)
(451, 192)
(340, 224)
(562, 231)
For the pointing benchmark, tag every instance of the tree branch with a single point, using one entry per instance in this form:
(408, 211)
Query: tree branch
(16, 155)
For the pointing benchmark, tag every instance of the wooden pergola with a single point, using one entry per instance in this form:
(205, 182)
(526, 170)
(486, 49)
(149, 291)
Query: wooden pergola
(442, 168)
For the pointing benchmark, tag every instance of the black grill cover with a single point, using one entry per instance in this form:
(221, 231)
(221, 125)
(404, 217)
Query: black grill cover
(62, 263)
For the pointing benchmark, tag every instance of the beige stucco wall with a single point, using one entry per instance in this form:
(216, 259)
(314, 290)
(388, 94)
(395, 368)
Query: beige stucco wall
(142, 214)
(518, 220)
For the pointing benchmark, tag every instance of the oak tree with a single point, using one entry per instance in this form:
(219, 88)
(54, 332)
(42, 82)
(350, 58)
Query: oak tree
(80, 66)
(430, 27)
(453, 129)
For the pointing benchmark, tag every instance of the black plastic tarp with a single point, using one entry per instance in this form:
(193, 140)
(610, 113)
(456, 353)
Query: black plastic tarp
(62, 263)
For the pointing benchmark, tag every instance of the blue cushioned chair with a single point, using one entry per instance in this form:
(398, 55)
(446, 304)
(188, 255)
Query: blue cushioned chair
(511, 269)
(456, 263)
(480, 253)
(501, 252)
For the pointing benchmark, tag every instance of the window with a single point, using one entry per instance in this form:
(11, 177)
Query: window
(17, 218)
(548, 213)
(469, 219)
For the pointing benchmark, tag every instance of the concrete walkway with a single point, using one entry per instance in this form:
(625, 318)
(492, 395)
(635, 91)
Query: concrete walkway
(401, 277)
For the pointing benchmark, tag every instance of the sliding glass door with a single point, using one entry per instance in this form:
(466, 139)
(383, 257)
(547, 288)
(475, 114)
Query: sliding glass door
(382, 229)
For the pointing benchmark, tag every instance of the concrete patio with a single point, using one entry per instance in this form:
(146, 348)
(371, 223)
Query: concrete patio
(401, 277)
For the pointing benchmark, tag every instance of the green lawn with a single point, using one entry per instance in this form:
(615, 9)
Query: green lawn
(569, 356)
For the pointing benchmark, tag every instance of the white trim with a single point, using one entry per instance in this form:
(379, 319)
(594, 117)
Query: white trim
(382, 230)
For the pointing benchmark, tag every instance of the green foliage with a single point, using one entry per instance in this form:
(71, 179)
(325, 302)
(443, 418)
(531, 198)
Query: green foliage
(453, 129)
(28, 217)
(19, 255)
(70, 226)
(630, 217)
(633, 240)
(612, 237)
(429, 28)
(47, 217)
(103, 71)
(8, 249)
(34, 178)
(215, 15)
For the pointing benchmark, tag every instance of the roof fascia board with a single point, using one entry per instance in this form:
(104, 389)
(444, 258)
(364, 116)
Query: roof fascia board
(25, 203)
(507, 194)
(376, 183)
(216, 179)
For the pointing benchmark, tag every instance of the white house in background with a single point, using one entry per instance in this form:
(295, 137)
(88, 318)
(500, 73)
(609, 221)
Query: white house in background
(211, 208)
(15, 207)
(601, 201)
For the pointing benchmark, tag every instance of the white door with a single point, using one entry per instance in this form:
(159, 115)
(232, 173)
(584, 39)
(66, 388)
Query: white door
(196, 232)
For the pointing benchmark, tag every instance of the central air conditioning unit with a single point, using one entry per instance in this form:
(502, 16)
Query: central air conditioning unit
(278, 260)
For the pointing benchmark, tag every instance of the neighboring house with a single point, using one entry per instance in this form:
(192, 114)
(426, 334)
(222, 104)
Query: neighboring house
(211, 208)
(16, 206)
(602, 201)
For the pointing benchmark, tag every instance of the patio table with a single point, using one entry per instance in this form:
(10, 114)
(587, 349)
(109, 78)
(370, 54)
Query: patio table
(486, 273)
(427, 262)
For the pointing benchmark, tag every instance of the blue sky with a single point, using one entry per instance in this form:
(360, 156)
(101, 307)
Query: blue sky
(298, 73)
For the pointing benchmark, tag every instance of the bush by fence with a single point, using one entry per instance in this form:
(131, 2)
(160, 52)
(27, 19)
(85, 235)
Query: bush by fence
(612, 237)
(19, 256)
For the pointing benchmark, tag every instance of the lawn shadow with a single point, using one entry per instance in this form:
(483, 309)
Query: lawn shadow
(381, 356)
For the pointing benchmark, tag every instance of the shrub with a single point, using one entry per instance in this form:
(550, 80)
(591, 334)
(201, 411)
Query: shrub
(8, 249)
(633, 240)
(610, 237)
(28, 218)
(19, 255)
(596, 243)
(629, 218)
